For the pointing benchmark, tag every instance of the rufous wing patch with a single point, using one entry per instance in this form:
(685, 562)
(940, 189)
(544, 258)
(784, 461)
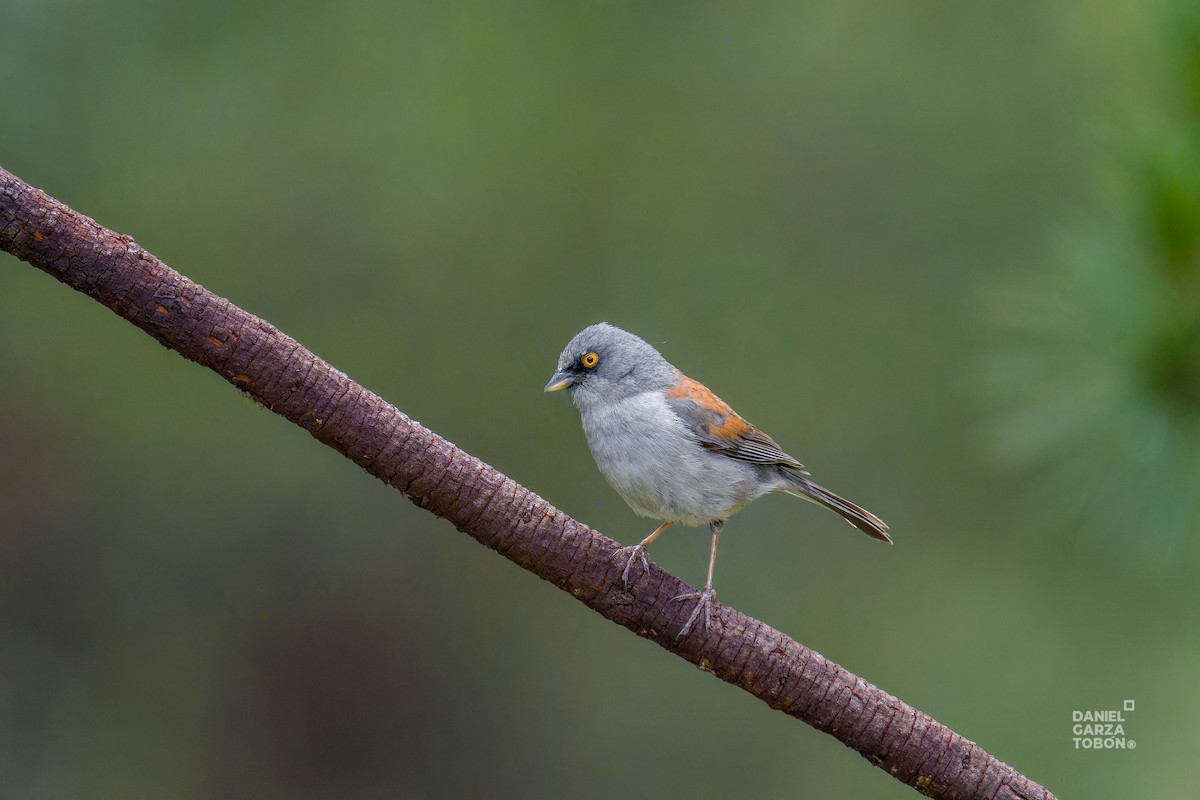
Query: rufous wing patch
(728, 425)
(730, 428)
(719, 427)
(698, 393)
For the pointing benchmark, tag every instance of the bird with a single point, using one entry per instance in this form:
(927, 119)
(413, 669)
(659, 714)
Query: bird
(676, 452)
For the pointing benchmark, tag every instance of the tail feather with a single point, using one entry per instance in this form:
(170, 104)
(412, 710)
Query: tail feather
(857, 516)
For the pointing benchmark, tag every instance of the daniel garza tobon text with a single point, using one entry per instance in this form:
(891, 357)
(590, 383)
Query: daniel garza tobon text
(1101, 729)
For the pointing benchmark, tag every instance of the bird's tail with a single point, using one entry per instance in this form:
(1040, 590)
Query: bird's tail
(859, 517)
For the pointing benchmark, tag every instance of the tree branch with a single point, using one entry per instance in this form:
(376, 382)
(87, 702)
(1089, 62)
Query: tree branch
(278, 372)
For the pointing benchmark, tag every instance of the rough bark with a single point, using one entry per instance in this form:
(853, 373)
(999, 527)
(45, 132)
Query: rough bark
(278, 372)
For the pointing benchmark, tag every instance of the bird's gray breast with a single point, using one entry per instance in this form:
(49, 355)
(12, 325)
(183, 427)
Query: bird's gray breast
(658, 466)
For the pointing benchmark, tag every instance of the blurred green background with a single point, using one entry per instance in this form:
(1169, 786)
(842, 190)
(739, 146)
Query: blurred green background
(943, 252)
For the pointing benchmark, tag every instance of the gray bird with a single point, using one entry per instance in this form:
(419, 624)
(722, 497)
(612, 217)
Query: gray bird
(675, 451)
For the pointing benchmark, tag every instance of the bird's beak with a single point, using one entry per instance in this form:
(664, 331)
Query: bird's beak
(561, 380)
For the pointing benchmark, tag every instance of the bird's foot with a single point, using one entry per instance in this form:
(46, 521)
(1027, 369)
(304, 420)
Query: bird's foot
(702, 612)
(632, 554)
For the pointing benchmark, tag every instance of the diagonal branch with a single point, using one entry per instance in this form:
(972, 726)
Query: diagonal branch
(278, 372)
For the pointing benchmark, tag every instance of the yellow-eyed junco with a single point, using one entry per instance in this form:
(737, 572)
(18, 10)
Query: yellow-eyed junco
(674, 450)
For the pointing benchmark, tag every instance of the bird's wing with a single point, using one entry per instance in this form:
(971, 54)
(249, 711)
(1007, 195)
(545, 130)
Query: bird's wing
(718, 427)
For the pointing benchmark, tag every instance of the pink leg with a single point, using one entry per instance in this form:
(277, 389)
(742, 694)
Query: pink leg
(638, 552)
(707, 595)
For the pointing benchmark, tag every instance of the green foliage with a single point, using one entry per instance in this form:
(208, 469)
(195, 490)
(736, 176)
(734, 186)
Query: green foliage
(1170, 204)
(1098, 374)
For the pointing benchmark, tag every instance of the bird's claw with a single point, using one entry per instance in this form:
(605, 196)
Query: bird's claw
(702, 611)
(631, 554)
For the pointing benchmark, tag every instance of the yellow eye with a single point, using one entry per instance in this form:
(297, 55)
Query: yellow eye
(590, 360)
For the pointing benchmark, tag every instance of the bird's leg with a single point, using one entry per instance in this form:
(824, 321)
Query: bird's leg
(705, 596)
(637, 552)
